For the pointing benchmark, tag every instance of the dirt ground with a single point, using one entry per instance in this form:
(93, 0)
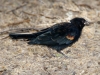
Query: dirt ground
(19, 58)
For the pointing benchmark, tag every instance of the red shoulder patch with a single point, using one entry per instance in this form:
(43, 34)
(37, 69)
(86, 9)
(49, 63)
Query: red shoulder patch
(70, 37)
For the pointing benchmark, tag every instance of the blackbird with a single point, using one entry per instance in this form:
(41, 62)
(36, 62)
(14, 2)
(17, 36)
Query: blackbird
(58, 36)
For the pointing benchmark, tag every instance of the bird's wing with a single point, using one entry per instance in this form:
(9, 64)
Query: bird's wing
(43, 39)
(56, 36)
(68, 38)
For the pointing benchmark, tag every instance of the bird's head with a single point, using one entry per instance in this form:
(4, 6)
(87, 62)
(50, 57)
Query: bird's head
(79, 22)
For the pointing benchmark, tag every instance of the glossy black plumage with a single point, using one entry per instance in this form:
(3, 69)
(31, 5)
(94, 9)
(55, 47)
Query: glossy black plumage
(58, 37)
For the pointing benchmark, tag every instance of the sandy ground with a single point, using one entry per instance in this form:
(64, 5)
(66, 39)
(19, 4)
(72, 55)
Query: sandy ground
(19, 58)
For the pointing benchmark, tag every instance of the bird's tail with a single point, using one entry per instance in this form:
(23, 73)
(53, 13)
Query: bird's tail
(27, 36)
(22, 36)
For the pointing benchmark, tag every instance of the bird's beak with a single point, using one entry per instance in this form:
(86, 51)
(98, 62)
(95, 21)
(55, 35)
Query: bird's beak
(86, 23)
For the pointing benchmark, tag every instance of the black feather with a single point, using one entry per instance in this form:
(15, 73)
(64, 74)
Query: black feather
(58, 36)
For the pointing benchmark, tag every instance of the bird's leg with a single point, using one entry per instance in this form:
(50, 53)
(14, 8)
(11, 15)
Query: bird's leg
(62, 54)
(66, 56)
